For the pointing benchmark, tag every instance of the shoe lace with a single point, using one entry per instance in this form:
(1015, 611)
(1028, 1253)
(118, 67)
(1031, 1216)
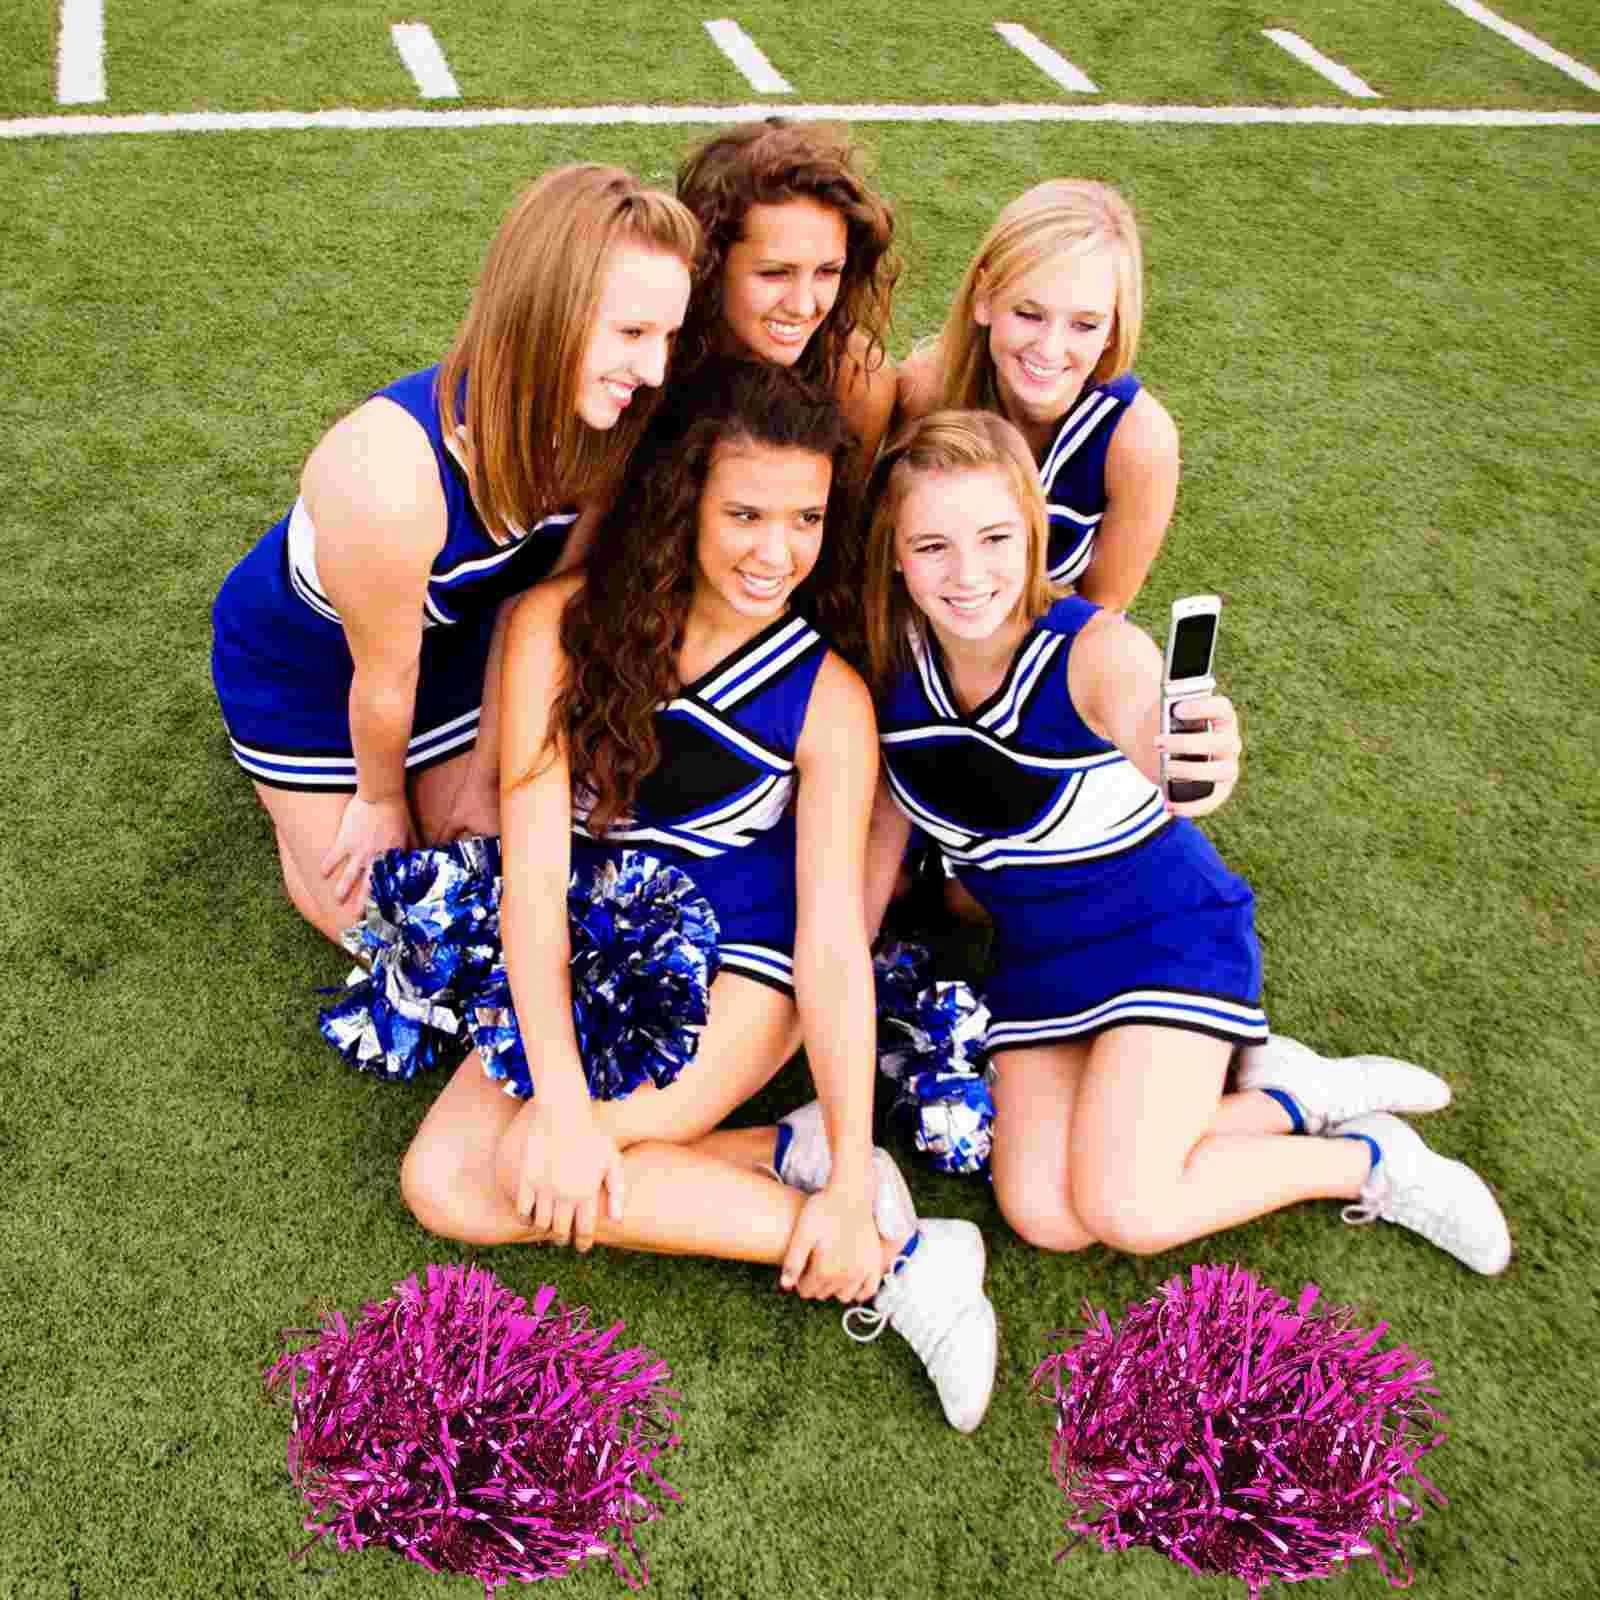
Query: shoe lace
(1439, 1224)
(872, 1321)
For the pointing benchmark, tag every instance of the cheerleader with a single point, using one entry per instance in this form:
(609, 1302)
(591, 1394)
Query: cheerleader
(676, 709)
(352, 643)
(799, 268)
(1021, 732)
(1043, 331)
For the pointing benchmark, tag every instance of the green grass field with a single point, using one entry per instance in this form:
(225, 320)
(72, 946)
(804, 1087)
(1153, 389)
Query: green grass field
(1380, 345)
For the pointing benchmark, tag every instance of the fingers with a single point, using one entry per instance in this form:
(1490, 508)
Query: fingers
(583, 1219)
(355, 872)
(797, 1256)
(613, 1188)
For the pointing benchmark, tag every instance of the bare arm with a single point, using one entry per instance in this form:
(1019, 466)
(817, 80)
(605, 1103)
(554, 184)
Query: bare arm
(1141, 492)
(553, 1160)
(915, 395)
(371, 489)
(866, 395)
(1114, 676)
(837, 761)
(887, 837)
(477, 805)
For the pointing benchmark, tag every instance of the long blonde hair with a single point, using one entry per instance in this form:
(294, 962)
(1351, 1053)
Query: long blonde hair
(944, 441)
(512, 374)
(1064, 216)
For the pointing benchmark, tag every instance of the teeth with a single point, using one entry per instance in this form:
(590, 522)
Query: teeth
(968, 605)
(787, 332)
(764, 587)
(1038, 374)
(621, 391)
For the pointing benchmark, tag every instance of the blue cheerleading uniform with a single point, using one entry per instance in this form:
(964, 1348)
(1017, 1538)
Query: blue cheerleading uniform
(1073, 473)
(718, 803)
(280, 659)
(1106, 911)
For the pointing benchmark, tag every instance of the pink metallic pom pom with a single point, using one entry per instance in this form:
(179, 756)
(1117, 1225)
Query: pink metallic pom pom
(475, 1436)
(1238, 1434)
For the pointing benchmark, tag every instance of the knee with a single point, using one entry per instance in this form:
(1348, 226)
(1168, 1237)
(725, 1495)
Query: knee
(1122, 1223)
(1044, 1225)
(425, 1190)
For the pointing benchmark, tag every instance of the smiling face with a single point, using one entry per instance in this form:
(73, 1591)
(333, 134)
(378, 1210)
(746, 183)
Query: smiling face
(644, 294)
(759, 529)
(782, 276)
(961, 546)
(1047, 329)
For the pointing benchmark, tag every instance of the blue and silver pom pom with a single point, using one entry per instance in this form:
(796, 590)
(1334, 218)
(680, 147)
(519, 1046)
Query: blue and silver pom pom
(644, 954)
(931, 1043)
(430, 933)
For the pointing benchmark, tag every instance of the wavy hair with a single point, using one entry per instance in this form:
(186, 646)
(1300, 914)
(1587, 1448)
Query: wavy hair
(622, 630)
(766, 164)
(524, 338)
(1062, 217)
(943, 442)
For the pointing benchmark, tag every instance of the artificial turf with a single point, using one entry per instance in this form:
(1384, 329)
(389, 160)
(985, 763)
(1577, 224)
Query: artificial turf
(1379, 345)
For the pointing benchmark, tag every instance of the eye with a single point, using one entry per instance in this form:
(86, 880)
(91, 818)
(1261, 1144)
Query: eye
(812, 519)
(1086, 327)
(1027, 316)
(931, 547)
(632, 333)
(996, 538)
(774, 272)
(830, 272)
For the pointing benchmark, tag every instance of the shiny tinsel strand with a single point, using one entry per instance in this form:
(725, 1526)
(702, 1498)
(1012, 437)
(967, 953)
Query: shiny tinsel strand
(473, 1434)
(1239, 1434)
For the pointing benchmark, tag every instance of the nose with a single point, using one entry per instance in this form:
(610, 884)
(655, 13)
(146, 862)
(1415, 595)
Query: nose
(650, 366)
(772, 546)
(801, 301)
(1052, 341)
(969, 565)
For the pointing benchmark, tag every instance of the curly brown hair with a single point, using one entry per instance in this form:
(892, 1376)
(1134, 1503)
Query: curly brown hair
(622, 630)
(768, 163)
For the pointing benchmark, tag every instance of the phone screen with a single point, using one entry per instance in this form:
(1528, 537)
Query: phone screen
(1191, 646)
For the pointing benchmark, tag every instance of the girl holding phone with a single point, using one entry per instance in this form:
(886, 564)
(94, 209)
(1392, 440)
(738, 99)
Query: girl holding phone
(1021, 731)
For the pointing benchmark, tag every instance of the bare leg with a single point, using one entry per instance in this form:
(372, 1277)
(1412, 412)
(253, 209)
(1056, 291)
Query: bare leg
(1034, 1095)
(434, 792)
(305, 822)
(1145, 1168)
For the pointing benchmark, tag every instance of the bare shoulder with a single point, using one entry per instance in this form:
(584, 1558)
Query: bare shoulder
(537, 611)
(1147, 437)
(839, 713)
(378, 461)
(866, 391)
(1108, 646)
(917, 393)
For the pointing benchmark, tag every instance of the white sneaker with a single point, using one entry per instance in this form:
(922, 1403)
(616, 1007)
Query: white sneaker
(935, 1301)
(1330, 1090)
(1443, 1200)
(808, 1164)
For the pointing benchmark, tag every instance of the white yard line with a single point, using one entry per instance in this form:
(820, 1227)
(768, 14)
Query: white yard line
(425, 61)
(745, 54)
(1308, 54)
(351, 120)
(1050, 62)
(1534, 45)
(81, 56)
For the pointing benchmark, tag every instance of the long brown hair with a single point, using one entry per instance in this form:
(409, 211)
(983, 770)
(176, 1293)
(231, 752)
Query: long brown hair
(765, 164)
(948, 442)
(511, 376)
(1064, 216)
(622, 630)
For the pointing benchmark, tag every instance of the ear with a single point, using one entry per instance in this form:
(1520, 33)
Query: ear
(981, 313)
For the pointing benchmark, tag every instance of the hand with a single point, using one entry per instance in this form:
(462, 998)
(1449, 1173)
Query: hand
(475, 809)
(366, 830)
(834, 1252)
(557, 1172)
(1218, 746)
